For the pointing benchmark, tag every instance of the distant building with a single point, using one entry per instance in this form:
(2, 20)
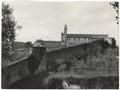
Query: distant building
(68, 40)
(38, 43)
(50, 45)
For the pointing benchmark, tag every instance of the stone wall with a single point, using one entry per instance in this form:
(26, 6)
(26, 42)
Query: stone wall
(22, 68)
(54, 59)
(14, 72)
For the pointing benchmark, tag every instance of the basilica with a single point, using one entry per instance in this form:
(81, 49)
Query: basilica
(68, 40)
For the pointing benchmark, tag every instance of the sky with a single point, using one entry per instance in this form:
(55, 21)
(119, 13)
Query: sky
(46, 20)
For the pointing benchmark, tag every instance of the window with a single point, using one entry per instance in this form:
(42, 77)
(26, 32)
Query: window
(69, 38)
(87, 39)
(81, 39)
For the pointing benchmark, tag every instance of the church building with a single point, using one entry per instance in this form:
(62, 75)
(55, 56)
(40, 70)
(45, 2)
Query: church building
(68, 40)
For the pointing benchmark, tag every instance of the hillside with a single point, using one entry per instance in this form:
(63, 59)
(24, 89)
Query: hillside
(93, 65)
(18, 45)
(68, 57)
(96, 61)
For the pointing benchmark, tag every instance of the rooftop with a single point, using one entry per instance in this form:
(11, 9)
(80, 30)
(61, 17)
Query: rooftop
(87, 35)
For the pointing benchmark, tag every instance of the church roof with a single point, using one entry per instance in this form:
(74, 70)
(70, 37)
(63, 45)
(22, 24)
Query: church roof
(87, 35)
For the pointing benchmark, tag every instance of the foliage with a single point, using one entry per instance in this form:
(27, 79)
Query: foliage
(116, 7)
(19, 54)
(62, 67)
(103, 61)
(9, 25)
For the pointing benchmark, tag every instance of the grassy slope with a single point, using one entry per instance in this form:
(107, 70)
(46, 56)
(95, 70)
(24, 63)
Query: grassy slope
(18, 45)
(18, 53)
(104, 64)
(100, 71)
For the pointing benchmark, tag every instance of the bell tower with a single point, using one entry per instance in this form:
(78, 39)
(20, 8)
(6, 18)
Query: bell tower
(65, 29)
(64, 37)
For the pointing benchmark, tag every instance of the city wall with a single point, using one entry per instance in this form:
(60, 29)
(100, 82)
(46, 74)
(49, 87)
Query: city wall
(14, 72)
(49, 61)
(22, 68)
(52, 60)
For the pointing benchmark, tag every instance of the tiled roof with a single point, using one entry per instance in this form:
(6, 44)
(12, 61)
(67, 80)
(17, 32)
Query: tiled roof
(87, 35)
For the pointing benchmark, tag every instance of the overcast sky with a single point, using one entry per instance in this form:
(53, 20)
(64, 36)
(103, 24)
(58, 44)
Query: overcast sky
(46, 20)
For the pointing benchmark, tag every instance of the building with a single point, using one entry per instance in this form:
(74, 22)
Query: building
(68, 40)
(50, 45)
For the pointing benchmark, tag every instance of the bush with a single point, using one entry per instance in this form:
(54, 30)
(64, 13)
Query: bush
(62, 67)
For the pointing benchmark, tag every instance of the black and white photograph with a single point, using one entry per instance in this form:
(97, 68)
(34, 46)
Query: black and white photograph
(59, 44)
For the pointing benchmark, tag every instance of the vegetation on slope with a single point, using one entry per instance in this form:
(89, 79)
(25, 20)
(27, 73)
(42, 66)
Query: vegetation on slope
(92, 66)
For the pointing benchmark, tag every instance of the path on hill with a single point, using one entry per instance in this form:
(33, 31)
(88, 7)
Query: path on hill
(30, 82)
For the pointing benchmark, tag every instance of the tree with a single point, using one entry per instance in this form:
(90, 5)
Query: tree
(116, 7)
(9, 25)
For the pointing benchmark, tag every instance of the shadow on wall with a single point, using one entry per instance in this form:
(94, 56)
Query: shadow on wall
(35, 58)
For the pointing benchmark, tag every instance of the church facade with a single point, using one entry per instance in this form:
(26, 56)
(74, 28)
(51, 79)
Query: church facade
(68, 40)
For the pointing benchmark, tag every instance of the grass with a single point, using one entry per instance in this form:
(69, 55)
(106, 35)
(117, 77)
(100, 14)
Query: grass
(100, 72)
(16, 56)
(21, 54)
(85, 81)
